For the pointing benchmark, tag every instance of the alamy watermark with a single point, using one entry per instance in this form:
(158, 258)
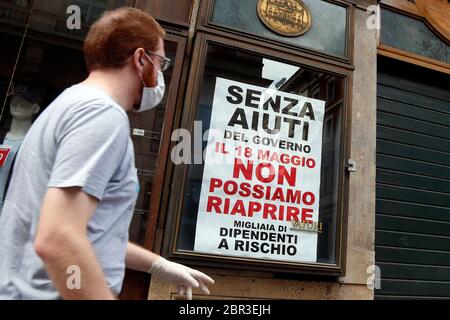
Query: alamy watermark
(374, 279)
(74, 19)
(374, 20)
(74, 280)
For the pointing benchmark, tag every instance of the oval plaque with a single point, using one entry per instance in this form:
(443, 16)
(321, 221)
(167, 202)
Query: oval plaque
(290, 18)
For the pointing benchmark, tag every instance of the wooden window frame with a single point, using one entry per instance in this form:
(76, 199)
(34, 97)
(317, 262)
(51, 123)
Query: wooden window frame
(206, 24)
(160, 171)
(410, 9)
(179, 180)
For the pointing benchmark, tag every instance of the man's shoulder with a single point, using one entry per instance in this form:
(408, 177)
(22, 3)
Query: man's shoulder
(82, 100)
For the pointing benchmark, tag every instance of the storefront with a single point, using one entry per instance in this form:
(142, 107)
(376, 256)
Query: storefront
(297, 82)
(413, 201)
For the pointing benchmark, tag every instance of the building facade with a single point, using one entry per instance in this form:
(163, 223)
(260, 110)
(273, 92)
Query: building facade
(371, 78)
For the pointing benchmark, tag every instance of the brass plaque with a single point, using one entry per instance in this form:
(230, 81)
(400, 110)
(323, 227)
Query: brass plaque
(290, 18)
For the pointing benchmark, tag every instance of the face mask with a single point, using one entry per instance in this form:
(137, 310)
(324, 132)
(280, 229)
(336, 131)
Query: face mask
(152, 97)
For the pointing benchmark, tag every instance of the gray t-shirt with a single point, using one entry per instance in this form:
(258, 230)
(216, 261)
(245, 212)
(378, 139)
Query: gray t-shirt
(81, 140)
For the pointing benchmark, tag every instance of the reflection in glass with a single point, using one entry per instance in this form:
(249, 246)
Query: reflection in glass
(50, 57)
(257, 70)
(50, 16)
(413, 35)
(146, 130)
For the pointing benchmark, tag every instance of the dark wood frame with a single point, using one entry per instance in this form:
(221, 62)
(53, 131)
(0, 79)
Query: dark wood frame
(205, 24)
(178, 182)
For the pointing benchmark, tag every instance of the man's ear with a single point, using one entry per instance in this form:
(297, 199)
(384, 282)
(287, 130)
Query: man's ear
(138, 59)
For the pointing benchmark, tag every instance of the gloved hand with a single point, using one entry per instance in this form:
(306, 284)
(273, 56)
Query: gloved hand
(183, 277)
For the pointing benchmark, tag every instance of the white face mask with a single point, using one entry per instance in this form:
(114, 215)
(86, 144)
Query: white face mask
(152, 97)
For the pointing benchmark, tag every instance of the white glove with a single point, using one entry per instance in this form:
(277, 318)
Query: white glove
(181, 276)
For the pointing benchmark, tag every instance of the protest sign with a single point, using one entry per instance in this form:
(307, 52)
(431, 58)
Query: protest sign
(262, 173)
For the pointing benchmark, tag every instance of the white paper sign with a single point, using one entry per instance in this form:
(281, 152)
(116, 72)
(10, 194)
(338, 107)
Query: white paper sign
(262, 171)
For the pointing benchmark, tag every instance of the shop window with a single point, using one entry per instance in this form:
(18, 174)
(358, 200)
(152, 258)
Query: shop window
(331, 90)
(39, 49)
(91, 9)
(15, 11)
(230, 73)
(48, 59)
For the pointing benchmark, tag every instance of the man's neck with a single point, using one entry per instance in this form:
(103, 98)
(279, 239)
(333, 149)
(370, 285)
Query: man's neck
(114, 84)
(19, 128)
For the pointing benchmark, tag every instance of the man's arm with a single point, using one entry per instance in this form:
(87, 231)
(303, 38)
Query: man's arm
(184, 278)
(139, 259)
(62, 241)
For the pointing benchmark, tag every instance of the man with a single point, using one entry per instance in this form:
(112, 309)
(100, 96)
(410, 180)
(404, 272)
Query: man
(72, 195)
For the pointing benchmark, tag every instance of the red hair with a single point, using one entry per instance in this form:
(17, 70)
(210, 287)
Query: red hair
(116, 36)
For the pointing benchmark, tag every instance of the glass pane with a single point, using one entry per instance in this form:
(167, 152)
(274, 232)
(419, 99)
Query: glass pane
(409, 34)
(248, 69)
(50, 58)
(327, 34)
(178, 11)
(146, 133)
(51, 63)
